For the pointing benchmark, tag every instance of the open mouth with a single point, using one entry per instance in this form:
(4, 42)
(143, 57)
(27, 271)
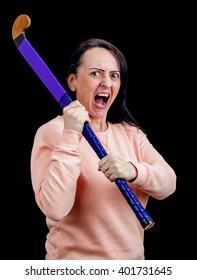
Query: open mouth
(101, 99)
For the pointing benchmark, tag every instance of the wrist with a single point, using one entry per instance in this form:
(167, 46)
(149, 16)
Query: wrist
(136, 173)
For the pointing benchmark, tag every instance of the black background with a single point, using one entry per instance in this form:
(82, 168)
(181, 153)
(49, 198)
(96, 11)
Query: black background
(157, 42)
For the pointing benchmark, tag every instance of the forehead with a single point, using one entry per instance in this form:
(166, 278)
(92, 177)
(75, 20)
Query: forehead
(99, 58)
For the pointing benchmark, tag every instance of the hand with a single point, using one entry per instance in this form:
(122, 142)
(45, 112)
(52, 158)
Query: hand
(75, 115)
(114, 167)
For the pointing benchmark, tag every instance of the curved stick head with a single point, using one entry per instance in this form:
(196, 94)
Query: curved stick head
(20, 25)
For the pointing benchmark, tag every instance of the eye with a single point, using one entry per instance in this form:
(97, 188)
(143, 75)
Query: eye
(95, 73)
(115, 75)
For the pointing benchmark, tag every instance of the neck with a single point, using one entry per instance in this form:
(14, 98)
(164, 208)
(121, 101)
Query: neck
(98, 125)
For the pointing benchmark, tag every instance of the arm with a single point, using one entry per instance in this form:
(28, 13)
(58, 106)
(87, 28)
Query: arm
(155, 176)
(144, 167)
(55, 167)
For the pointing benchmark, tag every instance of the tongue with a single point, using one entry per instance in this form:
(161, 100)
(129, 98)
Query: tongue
(99, 100)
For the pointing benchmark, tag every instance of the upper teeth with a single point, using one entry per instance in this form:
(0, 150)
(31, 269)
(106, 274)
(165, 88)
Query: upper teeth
(103, 94)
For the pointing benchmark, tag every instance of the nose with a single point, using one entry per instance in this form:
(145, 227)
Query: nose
(106, 81)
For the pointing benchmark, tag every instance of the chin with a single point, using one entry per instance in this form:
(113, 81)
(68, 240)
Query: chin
(100, 115)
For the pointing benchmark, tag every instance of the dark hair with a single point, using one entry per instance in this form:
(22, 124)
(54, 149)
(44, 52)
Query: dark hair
(118, 111)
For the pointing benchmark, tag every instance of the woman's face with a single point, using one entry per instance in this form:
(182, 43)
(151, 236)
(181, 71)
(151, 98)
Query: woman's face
(97, 81)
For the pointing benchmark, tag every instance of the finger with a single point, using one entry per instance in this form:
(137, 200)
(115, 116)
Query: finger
(103, 161)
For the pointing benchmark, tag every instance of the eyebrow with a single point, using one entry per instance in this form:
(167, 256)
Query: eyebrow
(95, 68)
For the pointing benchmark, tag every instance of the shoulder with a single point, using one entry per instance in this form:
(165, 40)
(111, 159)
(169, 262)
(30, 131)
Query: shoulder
(127, 128)
(55, 123)
(127, 131)
(50, 129)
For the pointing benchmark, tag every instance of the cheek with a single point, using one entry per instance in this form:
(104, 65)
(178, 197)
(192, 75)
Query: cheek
(116, 91)
(85, 91)
(84, 96)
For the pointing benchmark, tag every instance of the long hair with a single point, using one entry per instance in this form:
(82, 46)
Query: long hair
(118, 111)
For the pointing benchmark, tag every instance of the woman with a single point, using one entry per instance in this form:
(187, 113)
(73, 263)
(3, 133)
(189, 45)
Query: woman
(86, 215)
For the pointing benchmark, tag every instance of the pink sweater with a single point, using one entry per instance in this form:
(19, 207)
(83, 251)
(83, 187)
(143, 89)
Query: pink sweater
(87, 216)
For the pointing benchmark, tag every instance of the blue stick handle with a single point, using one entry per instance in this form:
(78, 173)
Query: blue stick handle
(50, 81)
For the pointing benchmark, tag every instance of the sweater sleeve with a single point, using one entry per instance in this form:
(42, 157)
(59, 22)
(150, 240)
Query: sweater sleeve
(155, 176)
(55, 168)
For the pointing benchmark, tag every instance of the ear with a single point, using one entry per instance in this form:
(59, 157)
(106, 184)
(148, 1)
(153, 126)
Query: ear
(71, 82)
